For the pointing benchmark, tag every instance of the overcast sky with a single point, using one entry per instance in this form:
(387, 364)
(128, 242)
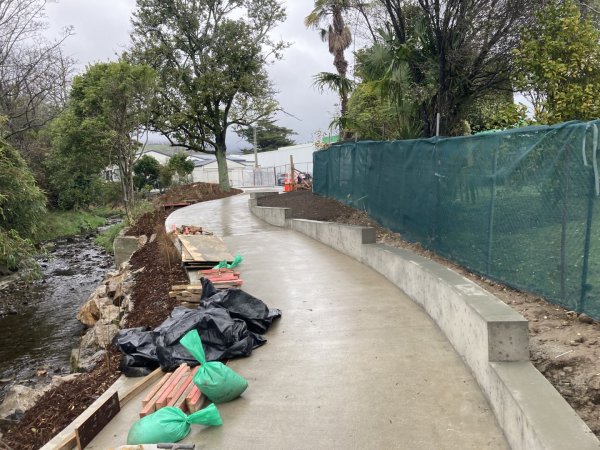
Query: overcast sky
(102, 28)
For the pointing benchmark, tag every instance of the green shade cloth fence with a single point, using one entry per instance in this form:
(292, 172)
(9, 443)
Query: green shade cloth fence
(518, 206)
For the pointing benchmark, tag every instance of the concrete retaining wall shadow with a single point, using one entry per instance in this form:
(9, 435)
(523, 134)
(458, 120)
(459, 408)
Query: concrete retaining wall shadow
(490, 336)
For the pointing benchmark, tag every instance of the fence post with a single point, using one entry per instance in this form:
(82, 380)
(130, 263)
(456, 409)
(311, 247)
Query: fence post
(586, 248)
(564, 223)
(491, 214)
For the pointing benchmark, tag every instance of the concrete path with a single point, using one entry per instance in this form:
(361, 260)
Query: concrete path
(352, 364)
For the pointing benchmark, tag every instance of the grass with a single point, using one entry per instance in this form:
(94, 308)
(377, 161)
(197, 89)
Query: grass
(57, 224)
(107, 237)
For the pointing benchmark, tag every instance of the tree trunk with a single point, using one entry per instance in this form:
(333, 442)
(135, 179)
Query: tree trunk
(222, 164)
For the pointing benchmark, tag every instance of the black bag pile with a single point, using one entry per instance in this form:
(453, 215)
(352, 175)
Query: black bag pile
(230, 324)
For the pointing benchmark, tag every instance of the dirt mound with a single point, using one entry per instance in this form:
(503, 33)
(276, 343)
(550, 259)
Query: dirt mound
(564, 346)
(193, 193)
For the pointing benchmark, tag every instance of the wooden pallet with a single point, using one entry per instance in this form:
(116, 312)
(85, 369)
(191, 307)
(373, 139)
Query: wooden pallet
(203, 250)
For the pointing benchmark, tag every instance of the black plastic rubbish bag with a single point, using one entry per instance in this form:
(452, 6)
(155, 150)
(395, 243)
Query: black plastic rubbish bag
(240, 305)
(224, 337)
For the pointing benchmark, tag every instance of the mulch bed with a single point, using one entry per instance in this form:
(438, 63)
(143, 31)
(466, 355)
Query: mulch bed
(58, 407)
(161, 268)
(308, 206)
(193, 193)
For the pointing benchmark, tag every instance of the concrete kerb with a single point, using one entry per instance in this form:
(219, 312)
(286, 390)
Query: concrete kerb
(491, 337)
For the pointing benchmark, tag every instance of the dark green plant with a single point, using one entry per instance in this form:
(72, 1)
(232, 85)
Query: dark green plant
(146, 173)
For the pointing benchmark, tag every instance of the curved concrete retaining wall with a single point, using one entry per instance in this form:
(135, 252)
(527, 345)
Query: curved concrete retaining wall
(491, 337)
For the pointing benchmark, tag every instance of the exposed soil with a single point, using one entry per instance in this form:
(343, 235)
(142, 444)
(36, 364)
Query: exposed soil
(194, 193)
(564, 345)
(161, 269)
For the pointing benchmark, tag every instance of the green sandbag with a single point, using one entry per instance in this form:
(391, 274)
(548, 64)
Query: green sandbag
(223, 264)
(217, 382)
(171, 424)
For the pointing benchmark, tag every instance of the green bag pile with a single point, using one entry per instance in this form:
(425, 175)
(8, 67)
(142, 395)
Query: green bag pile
(217, 382)
(170, 424)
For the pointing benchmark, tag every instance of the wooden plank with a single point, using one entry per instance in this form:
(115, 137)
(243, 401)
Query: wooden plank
(206, 248)
(70, 440)
(187, 380)
(138, 387)
(194, 400)
(150, 407)
(87, 431)
(181, 385)
(180, 402)
(155, 389)
(162, 400)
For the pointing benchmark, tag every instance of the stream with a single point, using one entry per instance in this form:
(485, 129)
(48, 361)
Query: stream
(38, 327)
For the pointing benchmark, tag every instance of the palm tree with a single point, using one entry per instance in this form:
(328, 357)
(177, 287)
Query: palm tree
(338, 36)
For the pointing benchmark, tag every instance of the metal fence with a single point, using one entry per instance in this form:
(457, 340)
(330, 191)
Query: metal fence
(517, 206)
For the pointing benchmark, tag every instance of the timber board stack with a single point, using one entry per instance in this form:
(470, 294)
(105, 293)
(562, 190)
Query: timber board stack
(175, 389)
(189, 294)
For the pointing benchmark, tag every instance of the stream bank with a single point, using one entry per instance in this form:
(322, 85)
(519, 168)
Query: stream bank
(38, 325)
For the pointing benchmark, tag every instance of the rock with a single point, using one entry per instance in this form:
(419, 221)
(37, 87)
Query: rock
(58, 380)
(584, 318)
(105, 332)
(142, 240)
(152, 237)
(109, 314)
(89, 313)
(594, 382)
(100, 291)
(84, 361)
(20, 398)
(118, 295)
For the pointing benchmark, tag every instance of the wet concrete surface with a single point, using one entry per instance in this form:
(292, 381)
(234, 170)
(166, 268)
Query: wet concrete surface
(353, 362)
(38, 327)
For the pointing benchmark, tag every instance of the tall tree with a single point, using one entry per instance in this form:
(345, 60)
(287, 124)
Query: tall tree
(181, 165)
(468, 52)
(268, 135)
(210, 57)
(559, 64)
(109, 109)
(339, 37)
(34, 72)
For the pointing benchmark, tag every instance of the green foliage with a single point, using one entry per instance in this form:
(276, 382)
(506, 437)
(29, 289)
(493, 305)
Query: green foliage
(17, 253)
(57, 224)
(181, 165)
(210, 58)
(338, 37)
(102, 126)
(268, 135)
(559, 62)
(22, 203)
(146, 172)
(446, 54)
(165, 177)
(376, 117)
(492, 114)
(106, 238)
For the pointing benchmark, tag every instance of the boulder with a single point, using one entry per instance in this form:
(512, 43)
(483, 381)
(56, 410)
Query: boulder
(84, 361)
(104, 332)
(89, 313)
(20, 398)
(109, 314)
